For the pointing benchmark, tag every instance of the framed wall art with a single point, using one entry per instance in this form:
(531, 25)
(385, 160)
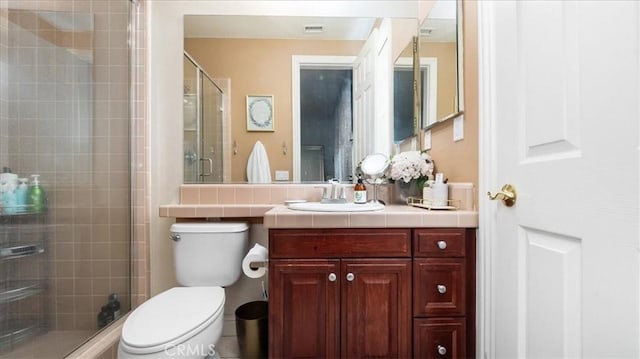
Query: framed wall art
(260, 113)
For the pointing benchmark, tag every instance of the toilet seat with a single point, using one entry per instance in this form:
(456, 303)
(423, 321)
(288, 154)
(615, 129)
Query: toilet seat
(171, 318)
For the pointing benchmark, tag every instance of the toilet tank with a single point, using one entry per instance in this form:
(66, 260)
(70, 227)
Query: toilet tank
(209, 253)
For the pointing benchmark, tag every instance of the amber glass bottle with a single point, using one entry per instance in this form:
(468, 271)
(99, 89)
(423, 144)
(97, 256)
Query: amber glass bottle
(360, 192)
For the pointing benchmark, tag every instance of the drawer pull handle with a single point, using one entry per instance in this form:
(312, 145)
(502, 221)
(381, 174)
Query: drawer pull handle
(332, 277)
(442, 288)
(442, 245)
(350, 277)
(442, 350)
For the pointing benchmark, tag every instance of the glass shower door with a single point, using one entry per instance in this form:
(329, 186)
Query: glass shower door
(190, 114)
(203, 116)
(211, 131)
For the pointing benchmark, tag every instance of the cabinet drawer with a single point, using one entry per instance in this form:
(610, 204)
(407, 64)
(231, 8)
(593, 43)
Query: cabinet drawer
(439, 286)
(334, 243)
(439, 338)
(439, 242)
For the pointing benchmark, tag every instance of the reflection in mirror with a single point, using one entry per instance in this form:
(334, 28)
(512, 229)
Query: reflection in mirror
(202, 127)
(326, 119)
(403, 95)
(267, 55)
(440, 61)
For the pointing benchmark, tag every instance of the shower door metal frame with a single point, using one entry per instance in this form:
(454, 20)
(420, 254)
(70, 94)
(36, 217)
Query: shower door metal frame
(198, 98)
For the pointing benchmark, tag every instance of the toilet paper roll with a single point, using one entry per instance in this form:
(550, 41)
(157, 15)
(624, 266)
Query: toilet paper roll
(256, 254)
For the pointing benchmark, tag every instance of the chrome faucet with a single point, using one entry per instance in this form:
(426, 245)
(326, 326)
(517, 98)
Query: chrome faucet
(337, 193)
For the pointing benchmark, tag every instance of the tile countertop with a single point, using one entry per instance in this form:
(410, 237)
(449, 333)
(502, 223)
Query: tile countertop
(265, 203)
(279, 216)
(393, 216)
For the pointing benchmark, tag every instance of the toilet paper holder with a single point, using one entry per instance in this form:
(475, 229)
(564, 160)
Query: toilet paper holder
(258, 264)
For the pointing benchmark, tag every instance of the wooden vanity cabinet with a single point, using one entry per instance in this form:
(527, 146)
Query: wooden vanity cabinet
(444, 292)
(340, 293)
(375, 293)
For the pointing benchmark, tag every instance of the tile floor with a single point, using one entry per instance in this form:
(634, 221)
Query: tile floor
(227, 346)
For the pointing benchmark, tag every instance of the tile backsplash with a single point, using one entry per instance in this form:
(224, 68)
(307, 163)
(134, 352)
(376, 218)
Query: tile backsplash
(276, 194)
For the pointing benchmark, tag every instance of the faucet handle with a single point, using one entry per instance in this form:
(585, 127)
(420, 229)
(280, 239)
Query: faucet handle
(343, 194)
(325, 193)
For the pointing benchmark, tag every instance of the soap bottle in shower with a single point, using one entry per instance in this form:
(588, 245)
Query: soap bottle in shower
(114, 306)
(36, 196)
(22, 193)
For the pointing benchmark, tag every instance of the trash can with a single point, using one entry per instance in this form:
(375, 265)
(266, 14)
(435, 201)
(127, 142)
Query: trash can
(252, 329)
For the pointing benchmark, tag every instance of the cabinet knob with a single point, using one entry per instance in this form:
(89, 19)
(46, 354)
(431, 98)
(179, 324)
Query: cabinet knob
(332, 277)
(350, 277)
(442, 245)
(442, 288)
(442, 350)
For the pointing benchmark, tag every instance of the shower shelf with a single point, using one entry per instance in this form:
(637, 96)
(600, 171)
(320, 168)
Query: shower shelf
(24, 277)
(20, 251)
(18, 331)
(18, 290)
(19, 211)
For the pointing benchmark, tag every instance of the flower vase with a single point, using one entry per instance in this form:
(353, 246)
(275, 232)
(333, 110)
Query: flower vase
(402, 191)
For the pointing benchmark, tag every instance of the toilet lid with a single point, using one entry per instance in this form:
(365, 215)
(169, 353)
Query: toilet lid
(172, 316)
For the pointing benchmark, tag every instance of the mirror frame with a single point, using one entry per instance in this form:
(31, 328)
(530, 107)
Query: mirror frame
(459, 74)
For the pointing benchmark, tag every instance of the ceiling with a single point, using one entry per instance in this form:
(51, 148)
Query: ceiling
(276, 27)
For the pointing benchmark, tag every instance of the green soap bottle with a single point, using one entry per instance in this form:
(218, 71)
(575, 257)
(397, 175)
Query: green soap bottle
(35, 196)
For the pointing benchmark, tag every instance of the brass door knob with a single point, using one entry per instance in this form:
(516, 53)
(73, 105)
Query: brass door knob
(507, 195)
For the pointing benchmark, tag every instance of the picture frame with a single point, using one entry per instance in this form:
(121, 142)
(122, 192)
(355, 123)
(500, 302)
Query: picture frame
(260, 113)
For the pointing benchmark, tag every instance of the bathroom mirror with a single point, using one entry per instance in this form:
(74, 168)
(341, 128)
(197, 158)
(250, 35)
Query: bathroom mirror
(440, 56)
(261, 67)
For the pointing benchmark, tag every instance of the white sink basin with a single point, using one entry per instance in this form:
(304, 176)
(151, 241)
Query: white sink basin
(336, 207)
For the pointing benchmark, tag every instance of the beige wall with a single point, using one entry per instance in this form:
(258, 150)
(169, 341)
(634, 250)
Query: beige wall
(445, 52)
(260, 67)
(459, 160)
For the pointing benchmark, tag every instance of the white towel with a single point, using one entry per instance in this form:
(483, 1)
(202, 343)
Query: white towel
(258, 170)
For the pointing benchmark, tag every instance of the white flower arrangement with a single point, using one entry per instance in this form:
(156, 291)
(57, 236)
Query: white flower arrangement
(411, 165)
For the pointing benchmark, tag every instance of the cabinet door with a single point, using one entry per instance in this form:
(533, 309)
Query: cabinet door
(439, 338)
(304, 306)
(376, 308)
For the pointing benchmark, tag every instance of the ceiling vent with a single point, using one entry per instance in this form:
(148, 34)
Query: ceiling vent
(426, 31)
(313, 29)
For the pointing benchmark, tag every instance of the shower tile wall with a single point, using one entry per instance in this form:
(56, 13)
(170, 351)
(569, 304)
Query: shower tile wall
(4, 112)
(68, 120)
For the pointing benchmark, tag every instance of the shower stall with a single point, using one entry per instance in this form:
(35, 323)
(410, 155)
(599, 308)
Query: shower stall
(203, 125)
(65, 115)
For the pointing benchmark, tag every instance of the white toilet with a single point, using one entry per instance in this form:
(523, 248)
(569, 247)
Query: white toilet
(186, 322)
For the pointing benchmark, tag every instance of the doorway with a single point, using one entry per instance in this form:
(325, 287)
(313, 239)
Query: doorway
(326, 120)
(322, 118)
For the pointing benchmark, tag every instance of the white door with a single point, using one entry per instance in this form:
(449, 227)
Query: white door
(363, 99)
(373, 95)
(560, 108)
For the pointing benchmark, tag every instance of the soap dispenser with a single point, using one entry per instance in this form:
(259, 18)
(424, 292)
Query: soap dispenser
(36, 197)
(440, 192)
(360, 192)
(22, 193)
(114, 306)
